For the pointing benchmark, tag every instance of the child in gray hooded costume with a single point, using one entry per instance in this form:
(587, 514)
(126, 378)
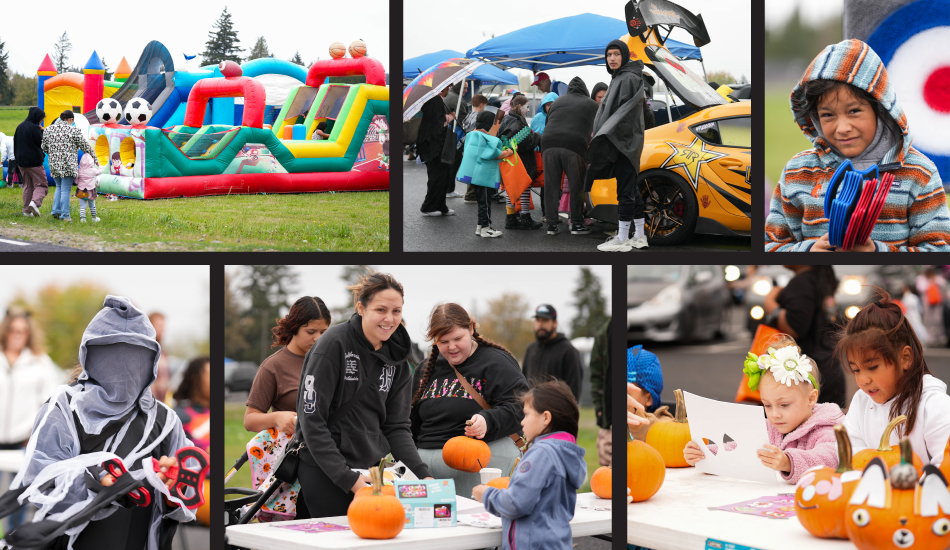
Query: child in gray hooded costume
(119, 356)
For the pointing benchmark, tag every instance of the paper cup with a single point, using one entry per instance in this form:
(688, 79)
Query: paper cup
(489, 474)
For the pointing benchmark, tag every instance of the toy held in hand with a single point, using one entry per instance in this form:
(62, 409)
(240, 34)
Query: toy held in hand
(187, 482)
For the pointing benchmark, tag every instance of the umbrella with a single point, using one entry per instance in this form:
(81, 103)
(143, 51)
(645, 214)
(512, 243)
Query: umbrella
(432, 81)
(486, 74)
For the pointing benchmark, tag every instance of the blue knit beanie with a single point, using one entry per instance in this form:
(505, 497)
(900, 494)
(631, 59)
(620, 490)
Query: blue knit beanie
(643, 369)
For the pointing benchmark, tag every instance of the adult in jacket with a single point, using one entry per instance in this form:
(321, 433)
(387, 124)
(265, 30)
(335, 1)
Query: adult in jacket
(62, 142)
(552, 355)
(441, 405)
(429, 143)
(27, 140)
(617, 143)
(461, 113)
(354, 398)
(568, 128)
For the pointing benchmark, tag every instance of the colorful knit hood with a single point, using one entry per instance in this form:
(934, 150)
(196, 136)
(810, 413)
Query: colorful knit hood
(852, 62)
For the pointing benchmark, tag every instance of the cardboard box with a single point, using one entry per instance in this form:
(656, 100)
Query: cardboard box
(427, 502)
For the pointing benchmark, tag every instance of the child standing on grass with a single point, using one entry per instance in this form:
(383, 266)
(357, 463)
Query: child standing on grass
(86, 183)
(538, 505)
(846, 106)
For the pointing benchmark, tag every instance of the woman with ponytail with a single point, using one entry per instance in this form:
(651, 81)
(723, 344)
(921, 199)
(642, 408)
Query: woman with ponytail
(879, 347)
(441, 405)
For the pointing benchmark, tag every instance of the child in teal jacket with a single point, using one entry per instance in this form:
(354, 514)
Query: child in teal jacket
(480, 168)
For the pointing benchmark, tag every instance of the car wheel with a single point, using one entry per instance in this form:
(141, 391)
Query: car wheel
(688, 334)
(669, 205)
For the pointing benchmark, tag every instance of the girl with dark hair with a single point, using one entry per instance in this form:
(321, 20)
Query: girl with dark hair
(805, 309)
(441, 404)
(353, 399)
(541, 495)
(881, 350)
(194, 399)
(511, 125)
(276, 382)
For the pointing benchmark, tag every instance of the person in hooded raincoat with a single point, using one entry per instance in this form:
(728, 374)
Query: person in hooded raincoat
(537, 123)
(846, 106)
(563, 150)
(107, 412)
(429, 143)
(598, 93)
(27, 140)
(617, 143)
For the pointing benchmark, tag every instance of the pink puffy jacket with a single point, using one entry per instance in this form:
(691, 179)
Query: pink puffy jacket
(88, 171)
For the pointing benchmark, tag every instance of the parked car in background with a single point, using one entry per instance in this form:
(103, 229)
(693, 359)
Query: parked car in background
(676, 302)
(238, 376)
(856, 286)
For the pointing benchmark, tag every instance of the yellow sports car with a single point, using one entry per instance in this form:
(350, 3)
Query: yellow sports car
(695, 171)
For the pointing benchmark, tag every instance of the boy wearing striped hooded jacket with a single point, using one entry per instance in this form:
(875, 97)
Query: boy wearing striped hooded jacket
(846, 107)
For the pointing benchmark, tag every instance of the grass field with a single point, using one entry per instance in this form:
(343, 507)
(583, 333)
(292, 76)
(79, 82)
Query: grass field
(304, 222)
(235, 438)
(11, 117)
(783, 137)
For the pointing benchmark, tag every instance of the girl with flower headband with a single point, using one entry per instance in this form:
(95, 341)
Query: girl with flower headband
(801, 430)
(882, 351)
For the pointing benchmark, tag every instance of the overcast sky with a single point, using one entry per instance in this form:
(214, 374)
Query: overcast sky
(31, 29)
(813, 12)
(430, 27)
(468, 286)
(181, 292)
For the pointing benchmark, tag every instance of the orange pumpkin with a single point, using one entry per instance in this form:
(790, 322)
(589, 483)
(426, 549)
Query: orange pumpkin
(366, 491)
(645, 469)
(895, 510)
(823, 493)
(500, 482)
(466, 454)
(376, 516)
(257, 452)
(670, 437)
(600, 482)
(203, 514)
(890, 454)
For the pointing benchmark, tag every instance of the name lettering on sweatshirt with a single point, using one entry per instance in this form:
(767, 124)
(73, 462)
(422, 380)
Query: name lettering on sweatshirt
(452, 388)
(352, 369)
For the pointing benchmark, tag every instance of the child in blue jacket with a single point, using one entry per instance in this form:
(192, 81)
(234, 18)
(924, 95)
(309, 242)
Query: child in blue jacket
(538, 505)
(480, 168)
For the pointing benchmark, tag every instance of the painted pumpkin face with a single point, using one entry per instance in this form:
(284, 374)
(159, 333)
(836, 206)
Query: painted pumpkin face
(882, 517)
(823, 493)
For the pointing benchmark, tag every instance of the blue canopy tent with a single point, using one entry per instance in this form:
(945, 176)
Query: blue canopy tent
(566, 42)
(486, 74)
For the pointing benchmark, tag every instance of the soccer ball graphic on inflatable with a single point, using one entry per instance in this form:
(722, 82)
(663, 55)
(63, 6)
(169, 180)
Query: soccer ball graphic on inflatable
(138, 111)
(109, 111)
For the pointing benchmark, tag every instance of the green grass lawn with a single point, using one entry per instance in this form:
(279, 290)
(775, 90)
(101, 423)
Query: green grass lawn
(783, 137)
(357, 221)
(11, 117)
(235, 438)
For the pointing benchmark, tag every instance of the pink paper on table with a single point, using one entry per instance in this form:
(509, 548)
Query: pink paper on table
(778, 507)
(312, 527)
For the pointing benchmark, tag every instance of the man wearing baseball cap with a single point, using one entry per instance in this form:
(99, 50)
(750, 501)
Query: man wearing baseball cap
(545, 85)
(551, 354)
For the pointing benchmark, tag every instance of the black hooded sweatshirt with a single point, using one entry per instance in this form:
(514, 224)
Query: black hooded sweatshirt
(570, 120)
(619, 126)
(511, 125)
(431, 136)
(556, 357)
(27, 140)
(597, 87)
(334, 368)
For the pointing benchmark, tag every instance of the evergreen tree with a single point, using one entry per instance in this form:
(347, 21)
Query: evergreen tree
(297, 59)
(591, 305)
(222, 45)
(61, 53)
(6, 89)
(107, 76)
(24, 90)
(259, 50)
(269, 288)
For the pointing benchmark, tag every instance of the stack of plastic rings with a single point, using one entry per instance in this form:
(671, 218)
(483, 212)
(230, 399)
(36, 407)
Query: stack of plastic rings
(852, 204)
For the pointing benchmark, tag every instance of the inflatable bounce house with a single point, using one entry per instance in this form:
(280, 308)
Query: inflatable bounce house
(165, 133)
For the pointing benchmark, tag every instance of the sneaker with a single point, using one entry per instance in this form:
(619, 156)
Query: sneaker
(470, 201)
(489, 232)
(449, 213)
(639, 242)
(553, 229)
(614, 244)
(96, 219)
(478, 229)
(526, 222)
(35, 209)
(82, 220)
(28, 214)
(55, 215)
(66, 219)
(454, 195)
(565, 215)
(434, 213)
(579, 229)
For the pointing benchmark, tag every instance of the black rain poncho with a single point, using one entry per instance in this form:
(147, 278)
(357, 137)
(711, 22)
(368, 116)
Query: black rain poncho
(618, 125)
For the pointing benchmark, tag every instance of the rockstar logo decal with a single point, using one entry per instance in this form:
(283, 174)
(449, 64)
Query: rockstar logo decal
(691, 157)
